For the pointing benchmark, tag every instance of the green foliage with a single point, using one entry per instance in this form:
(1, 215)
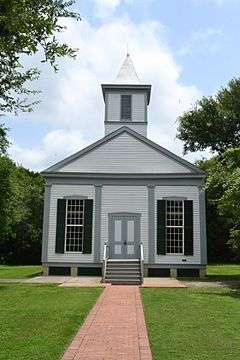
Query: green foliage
(223, 202)
(27, 27)
(214, 122)
(4, 143)
(234, 241)
(6, 171)
(21, 213)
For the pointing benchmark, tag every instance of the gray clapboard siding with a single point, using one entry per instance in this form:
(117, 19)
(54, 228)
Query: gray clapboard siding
(190, 193)
(113, 106)
(125, 154)
(57, 192)
(138, 107)
(125, 199)
(140, 128)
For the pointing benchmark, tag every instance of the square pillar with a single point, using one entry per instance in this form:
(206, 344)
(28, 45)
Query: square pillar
(45, 270)
(203, 272)
(173, 272)
(74, 271)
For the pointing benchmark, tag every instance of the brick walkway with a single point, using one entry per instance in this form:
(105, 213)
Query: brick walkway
(114, 330)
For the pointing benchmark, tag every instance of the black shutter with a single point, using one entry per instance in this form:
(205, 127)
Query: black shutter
(161, 227)
(126, 107)
(188, 227)
(60, 230)
(88, 219)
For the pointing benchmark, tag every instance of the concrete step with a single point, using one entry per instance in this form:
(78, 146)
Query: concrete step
(122, 277)
(123, 260)
(123, 281)
(110, 266)
(123, 271)
(129, 263)
(116, 266)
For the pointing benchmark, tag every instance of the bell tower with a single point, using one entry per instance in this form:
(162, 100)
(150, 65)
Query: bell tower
(126, 100)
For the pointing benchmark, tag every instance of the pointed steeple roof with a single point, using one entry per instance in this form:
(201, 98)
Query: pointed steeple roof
(127, 73)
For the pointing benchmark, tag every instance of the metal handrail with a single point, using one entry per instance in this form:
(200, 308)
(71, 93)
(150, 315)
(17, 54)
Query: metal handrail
(105, 258)
(141, 262)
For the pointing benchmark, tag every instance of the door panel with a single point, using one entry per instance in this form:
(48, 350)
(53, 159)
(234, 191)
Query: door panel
(117, 238)
(118, 230)
(130, 246)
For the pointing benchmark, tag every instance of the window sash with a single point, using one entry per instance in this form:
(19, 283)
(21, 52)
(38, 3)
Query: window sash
(74, 232)
(126, 107)
(174, 210)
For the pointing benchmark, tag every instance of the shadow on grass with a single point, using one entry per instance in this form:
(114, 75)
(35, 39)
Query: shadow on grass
(39, 273)
(229, 282)
(5, 287)
(223, 277)
(234, 293)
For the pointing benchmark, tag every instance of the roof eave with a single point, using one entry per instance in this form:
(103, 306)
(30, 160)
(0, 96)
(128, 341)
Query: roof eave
(143, 87)
(62, 174)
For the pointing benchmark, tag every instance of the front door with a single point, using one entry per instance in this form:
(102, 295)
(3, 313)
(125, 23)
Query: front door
(124, 235)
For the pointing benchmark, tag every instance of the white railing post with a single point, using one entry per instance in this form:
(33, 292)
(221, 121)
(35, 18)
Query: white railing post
(105, 257)
(141, 262)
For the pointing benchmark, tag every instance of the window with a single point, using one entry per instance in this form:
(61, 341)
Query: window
(174, 227)
(74, 225)
(126, 107)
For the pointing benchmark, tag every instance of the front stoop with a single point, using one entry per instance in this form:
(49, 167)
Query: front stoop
(123, 272)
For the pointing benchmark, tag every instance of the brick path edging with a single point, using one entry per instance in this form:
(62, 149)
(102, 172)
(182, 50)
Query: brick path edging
(132, 331)
(143, 341)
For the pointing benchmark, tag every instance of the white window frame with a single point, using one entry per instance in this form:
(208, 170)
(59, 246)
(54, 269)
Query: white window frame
(69, 225)
(173, 226)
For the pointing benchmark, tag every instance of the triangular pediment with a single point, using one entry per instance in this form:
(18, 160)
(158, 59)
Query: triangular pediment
(124, 151)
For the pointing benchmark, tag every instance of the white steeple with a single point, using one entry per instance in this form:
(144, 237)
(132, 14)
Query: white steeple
(127, 74)
(126, 100)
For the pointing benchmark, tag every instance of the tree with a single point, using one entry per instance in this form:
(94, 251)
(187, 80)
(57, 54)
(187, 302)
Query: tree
(4, 143)
(223, 203)
(214, 122)
(21, 213)
(28, 27)
(6, 169)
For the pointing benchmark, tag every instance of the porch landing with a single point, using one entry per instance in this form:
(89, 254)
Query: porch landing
(114, 329)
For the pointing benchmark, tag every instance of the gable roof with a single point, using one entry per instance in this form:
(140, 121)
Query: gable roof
(55, 168)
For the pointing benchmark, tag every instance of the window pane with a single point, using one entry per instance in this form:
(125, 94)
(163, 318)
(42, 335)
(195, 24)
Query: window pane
(74, 225)
(126, 107)
(174, 226)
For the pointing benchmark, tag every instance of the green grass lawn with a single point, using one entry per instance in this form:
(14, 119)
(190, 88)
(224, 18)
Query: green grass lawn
(224, 271)
(19, 272)
(37, 322)
(193, 324)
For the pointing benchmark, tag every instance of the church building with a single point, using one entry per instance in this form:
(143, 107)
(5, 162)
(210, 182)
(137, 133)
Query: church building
(124, 207)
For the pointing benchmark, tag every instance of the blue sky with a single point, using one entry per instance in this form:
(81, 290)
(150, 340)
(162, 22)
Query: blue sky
(184, 48)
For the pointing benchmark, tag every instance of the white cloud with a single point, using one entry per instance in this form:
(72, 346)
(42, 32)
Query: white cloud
(55, 145)
(73, 100)
(203, 40)
(105, 8)
(216, 2)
